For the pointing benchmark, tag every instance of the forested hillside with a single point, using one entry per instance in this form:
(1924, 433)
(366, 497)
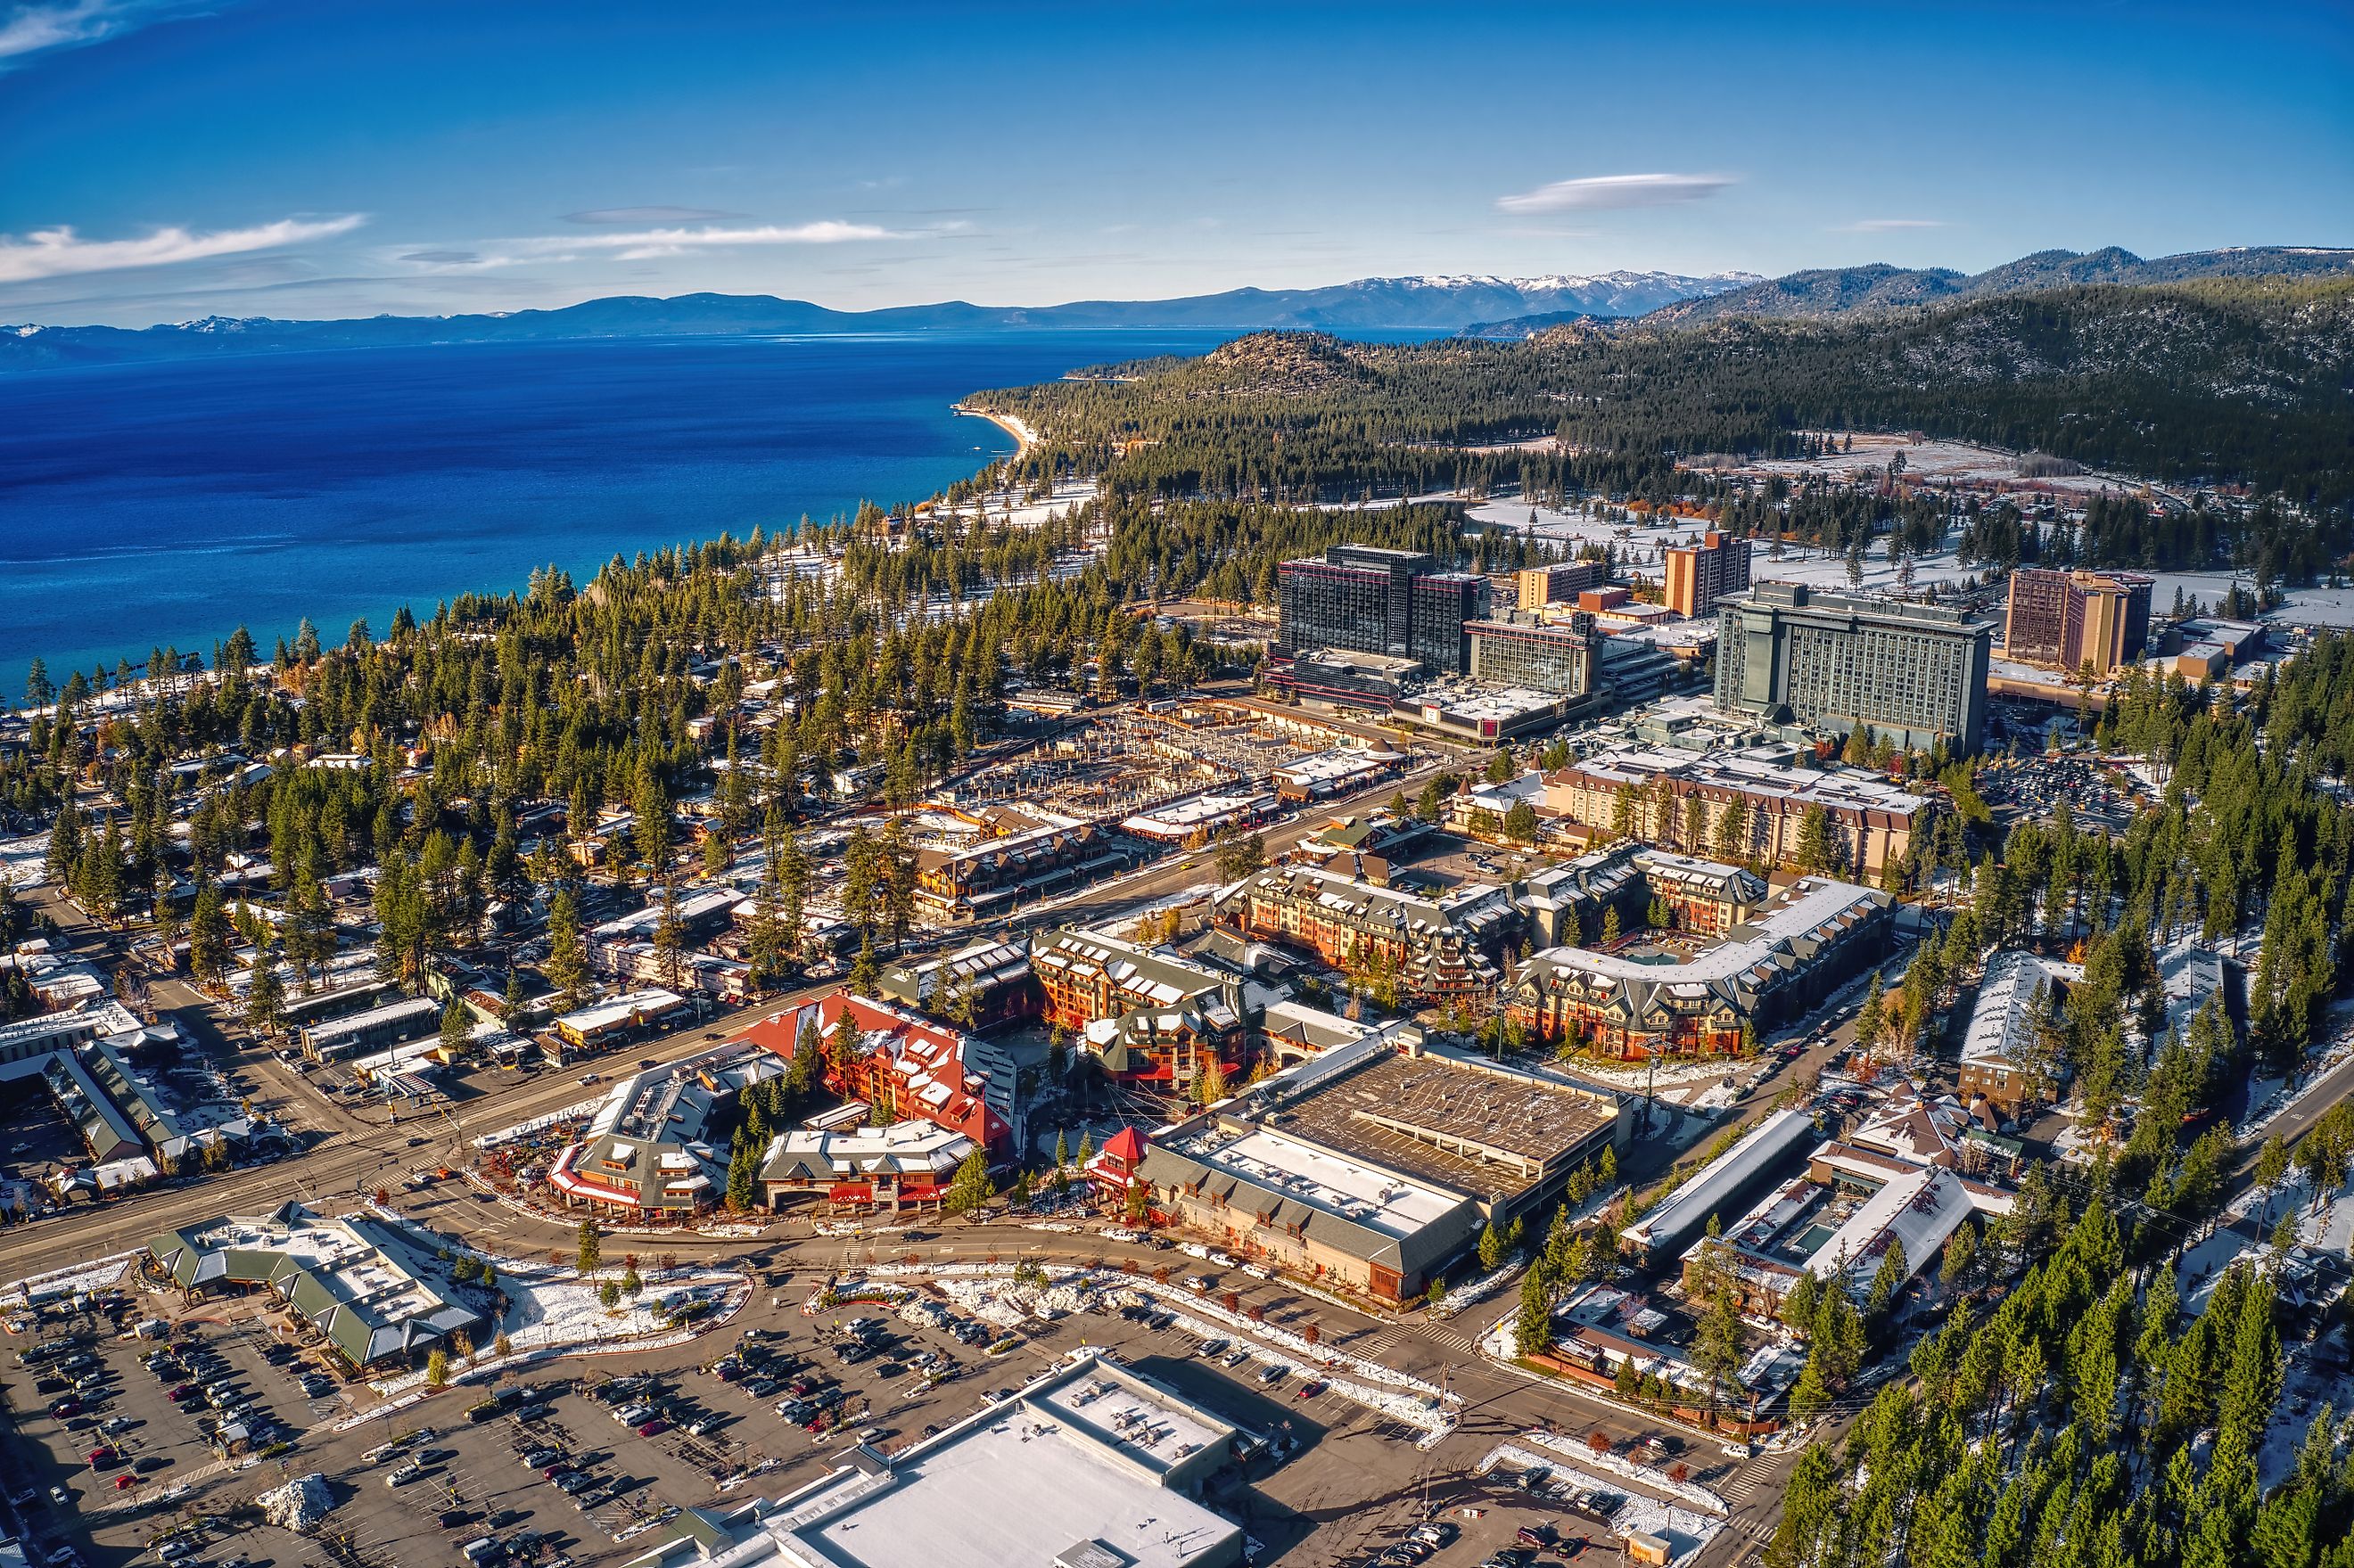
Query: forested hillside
(1835, 290)
(2234, 381)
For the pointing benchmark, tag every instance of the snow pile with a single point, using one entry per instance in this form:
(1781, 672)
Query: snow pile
(549, 1312)
(1643, 1475)
(300, 1505)
(538, 1124)
(1400, 1396)
(1473, 1292)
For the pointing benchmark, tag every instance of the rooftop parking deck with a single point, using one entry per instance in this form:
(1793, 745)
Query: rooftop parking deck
(1460, 1124)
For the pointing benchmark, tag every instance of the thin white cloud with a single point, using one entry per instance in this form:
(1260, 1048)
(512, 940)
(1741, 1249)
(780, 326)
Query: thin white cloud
(649, 215)
(1599, 193)
(648, 244)
(1888, 225)
(61, 252)
(31, 29)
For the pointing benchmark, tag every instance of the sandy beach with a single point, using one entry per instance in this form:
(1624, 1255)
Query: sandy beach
(1024, 438)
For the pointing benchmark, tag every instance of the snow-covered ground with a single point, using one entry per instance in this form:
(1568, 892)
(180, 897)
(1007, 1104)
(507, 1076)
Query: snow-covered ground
(1014, 509)
(2316, 606)
(71, 1280)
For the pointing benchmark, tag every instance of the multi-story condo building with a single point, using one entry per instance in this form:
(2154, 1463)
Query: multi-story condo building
(2064, 619)
(1544, 658)
(1371, 600)
(1439, 947)
(2004, 1061)
(1751, 806)
(1644, 999)
(1566, 904)
(1699, 575)
(1558, 582)
(1143, 1014)
(1915, 674)
(904, 1066)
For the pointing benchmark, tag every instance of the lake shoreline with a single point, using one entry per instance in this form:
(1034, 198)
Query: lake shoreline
(170, 504)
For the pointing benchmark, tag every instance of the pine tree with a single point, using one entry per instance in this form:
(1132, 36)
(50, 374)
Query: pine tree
(568, 965)
(1885, 1282)
(591, 1250)
(968, 1189)
(457, 1028)
(1533, 1329)
(208, 939)
(1870, 1020)
(264, 996)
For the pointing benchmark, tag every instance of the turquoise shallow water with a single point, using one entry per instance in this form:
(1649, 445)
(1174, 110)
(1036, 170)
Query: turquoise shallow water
(164, 503)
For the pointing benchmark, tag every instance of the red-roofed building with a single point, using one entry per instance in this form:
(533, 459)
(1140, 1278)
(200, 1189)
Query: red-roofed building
(1114, 1169)
(905, 1065)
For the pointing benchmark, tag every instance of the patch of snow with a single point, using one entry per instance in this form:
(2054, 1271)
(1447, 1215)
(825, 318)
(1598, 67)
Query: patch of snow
(74, 1280)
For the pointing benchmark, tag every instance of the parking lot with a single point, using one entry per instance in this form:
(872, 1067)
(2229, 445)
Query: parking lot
(113, 1430)
(570, 1462)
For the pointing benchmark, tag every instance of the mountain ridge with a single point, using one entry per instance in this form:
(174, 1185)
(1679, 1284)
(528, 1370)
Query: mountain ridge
(1434, 303)
(1825, 292)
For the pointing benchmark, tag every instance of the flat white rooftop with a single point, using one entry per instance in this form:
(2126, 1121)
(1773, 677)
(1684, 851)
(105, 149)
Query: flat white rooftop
(1155, 1433)
(1017, 1489)
(1717, 1183)
(1367, 1196)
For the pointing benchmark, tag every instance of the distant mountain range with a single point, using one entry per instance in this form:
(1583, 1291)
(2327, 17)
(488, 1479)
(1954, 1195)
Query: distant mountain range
(1844, 290)
(1473, 306)
(1434, 304)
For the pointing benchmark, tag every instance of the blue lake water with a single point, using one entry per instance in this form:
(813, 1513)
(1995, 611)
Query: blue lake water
(162, 504)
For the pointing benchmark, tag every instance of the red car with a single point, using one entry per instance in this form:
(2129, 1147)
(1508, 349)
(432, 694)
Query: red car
(64, 1407)
(185, 1391)
(1311, 1389)
(125, 1483)
(104, 1458)
(651, 1428)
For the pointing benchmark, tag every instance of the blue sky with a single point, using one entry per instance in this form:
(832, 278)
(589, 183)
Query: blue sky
(161, 160)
